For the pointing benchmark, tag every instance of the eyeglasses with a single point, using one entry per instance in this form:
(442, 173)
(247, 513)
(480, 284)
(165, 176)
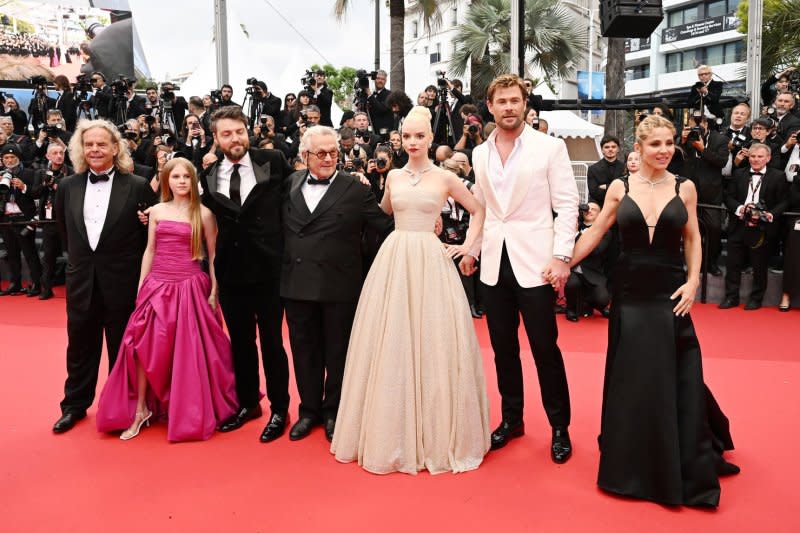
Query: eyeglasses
(94, 80)
(334, 154)
(290, 98)
(757, 128)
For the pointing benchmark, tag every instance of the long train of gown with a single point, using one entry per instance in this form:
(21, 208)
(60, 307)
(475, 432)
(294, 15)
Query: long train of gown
(662, 432)
(413, 395)
(179, 340)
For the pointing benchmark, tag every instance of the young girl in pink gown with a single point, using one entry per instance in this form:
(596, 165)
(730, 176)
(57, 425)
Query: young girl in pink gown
(175, 359)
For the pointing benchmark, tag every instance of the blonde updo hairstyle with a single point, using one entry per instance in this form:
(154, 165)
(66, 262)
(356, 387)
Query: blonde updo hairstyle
(651, 123)
(422, 114)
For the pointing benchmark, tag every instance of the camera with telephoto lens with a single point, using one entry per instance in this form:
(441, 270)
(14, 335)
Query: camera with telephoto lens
(363, 77)
(441, 80)
(755, 214)
(168, 139)
(29, 229)
(741, 141)
(381, 163)
(5, 186)
(357, 162)
(697, 130)
(52, 130)
(120, 87)
(39, 82)
(252, 86)
(308, 81)
(216, 97)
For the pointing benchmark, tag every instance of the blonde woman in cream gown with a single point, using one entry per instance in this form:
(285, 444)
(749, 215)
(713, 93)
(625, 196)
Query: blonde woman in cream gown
(414, 395)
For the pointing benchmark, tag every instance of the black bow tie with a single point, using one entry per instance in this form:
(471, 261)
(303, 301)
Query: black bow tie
(314, 181)
(94, 178)
(759, 174)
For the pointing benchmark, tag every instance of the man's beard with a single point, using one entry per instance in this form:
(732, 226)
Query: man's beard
(516, 125)
(243, 148)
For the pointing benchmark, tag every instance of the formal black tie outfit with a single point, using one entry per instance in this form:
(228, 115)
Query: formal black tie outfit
(102, 281)
(321, 282)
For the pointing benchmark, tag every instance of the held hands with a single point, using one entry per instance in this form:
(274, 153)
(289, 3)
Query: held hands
(144, 216)
(685, 296)
(209, 159)
(467, 265)
(556, 273)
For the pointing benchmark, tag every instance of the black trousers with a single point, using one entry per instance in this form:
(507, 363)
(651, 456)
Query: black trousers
(504, 303)
(579, 289)
(738, 255)
(711, 220)
(246, 307)
(51, 250)
(319, 333)
(85, 345)
(18, 245)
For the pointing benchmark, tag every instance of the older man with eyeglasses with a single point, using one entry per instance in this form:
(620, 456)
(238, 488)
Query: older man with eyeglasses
(321, 277)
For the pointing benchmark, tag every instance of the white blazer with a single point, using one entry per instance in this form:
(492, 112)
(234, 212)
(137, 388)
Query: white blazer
(543, 184)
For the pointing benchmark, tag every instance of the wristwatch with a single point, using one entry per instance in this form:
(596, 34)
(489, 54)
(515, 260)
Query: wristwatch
(563, 258)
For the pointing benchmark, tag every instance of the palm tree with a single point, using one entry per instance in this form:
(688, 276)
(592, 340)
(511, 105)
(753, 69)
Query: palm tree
(615, 86)
(553, 41)
(780, 39)
(431, 18)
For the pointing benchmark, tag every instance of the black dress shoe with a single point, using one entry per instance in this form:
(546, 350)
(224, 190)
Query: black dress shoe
(46, 294)
(505, 432)
(572, 316)
(12, 290)
(275, 427)
(724, 468)
(728, 303)
(475, 312)
(606, 312)
(330, 426)
(34, 290)
(302, 428)
(752, 305)
(67, 421)
(237, 420)
(715, 271)
(561, 448)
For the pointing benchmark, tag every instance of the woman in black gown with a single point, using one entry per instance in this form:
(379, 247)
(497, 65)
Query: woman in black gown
(662, 433)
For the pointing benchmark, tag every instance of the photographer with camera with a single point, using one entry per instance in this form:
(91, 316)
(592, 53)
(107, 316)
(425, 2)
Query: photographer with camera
(17, 205)
(587, 284)
(784, 115)
(18, 117)
(47, 180)
(780, 82)
(23, 142)
(193, 141)
(53, 131)
(379, 110)
(353, 156)
(762, 130)
(377, 169)
(399, 155)
(705, 94)
(308, 116)
(362, 134)
(197, 109)
(66, 102)
(264, 130)
(40, 103)
(739, 139)
(264, 102)
(706, 155)
(103, 98)
(323, 98)
(756, 197)
(471, 133)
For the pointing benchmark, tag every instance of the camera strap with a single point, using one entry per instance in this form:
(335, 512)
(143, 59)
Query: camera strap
(754, 187)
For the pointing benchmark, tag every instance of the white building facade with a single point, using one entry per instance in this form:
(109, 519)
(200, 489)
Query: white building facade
(693, 33)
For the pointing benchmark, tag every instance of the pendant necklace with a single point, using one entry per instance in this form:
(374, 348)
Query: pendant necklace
(651, 183)
(415, 177)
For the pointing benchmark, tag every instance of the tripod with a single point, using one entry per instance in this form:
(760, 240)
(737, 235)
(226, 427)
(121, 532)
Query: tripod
(443, 132)
(252, 107)
(120, 109)
(167, 117)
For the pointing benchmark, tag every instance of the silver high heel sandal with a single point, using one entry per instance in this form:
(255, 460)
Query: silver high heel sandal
(128, 434)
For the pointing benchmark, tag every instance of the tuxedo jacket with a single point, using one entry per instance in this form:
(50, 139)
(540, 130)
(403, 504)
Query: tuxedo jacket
(774, 192)
(711, 100)
(324, 103)
(69, 109)
(593, 267)
(705, 168)
(544, 184)
(24, 200)
(250, 238)
(322, 259)
(789, 124)
(116, 262)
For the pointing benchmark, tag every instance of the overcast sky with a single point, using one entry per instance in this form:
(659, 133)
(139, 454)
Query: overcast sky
(177, 37)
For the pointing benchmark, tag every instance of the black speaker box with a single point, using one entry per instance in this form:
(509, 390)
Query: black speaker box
(630, 18)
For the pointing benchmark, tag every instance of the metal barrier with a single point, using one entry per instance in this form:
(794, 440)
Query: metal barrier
(581, 170)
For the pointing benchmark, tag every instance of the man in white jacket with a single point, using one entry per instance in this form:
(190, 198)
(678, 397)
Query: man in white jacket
(525, 180)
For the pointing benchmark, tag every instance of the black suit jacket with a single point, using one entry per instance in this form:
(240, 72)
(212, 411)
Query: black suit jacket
(324, 103)
(322, 260)
(711, 100)
(593, 267)
(788, 125)
(705, 168)
(136, 106)
(116, 262)
(45, 192)
(774, 192)
(250, 238)
(603, 173)
(69, 109)
(24, 200)
(382, 117)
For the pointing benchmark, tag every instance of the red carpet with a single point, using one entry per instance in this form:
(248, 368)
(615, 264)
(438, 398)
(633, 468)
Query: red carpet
(85, 481)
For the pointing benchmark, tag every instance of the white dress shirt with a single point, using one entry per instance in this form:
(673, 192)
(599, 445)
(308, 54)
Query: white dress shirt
(502, 176)
(246, 173)
(313, 193)
(95, 206)
(753, 190)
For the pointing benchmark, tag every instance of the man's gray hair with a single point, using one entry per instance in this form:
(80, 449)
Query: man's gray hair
(761, 146)
(312, 133)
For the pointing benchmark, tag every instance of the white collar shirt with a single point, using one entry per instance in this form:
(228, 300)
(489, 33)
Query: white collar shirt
(754, 188)
(246, 173)
(313, 194)
(502, 176)
(95, 206)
